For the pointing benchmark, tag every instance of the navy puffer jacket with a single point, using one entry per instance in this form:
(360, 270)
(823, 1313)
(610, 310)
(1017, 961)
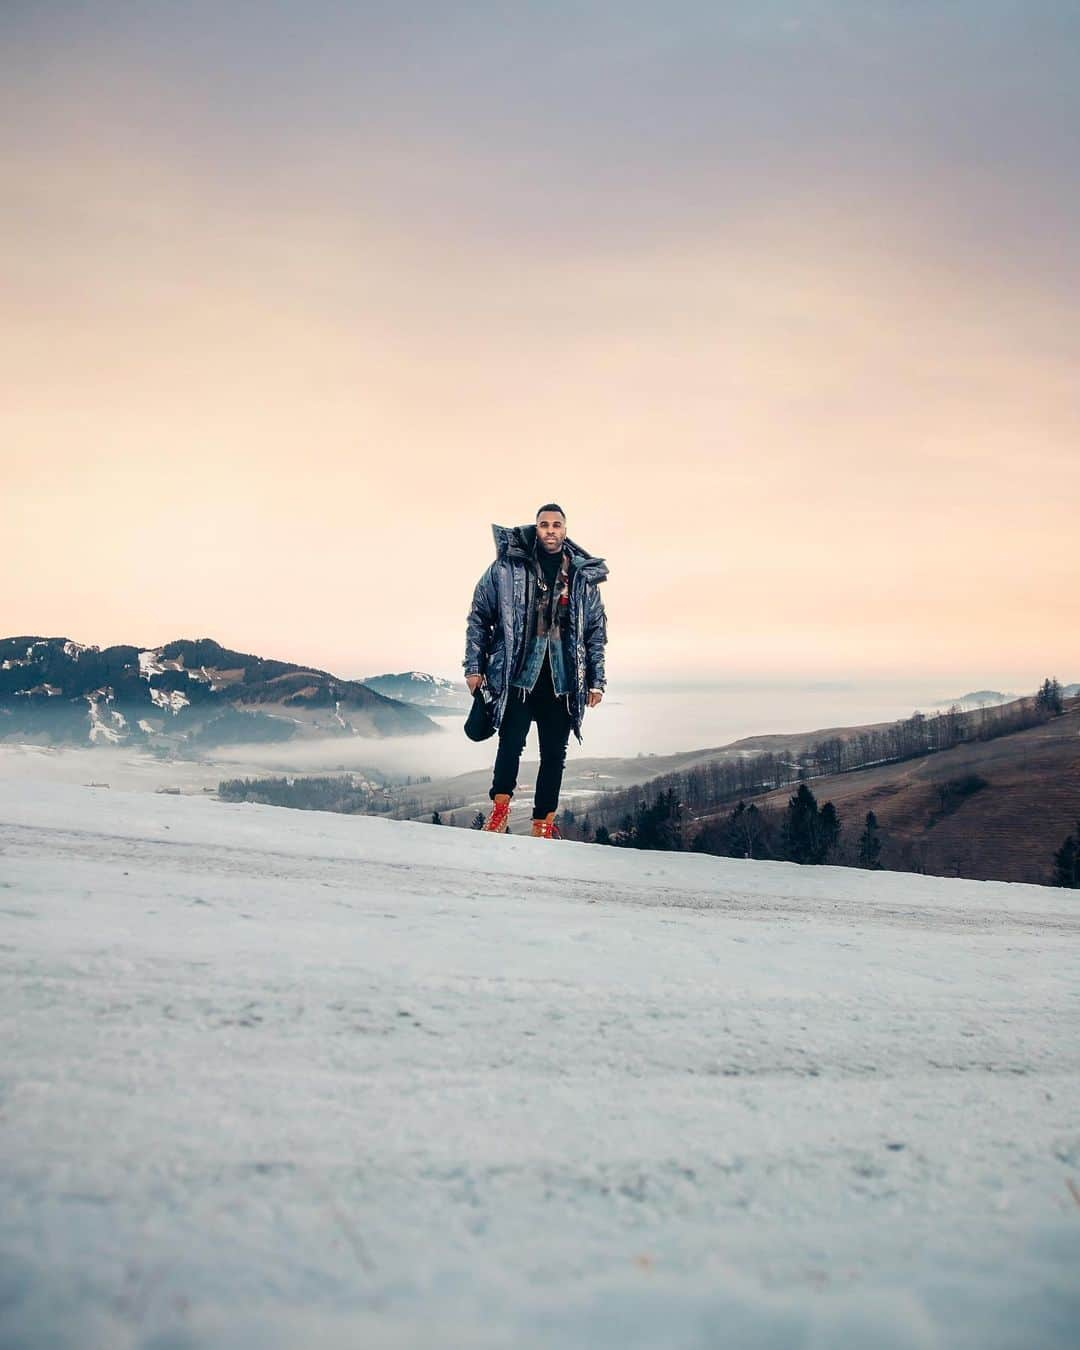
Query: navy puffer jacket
(496, 626)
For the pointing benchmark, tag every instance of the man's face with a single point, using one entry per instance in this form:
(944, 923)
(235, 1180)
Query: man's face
(550, 530)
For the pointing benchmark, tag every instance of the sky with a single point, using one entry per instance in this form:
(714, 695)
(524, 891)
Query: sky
(778, 300)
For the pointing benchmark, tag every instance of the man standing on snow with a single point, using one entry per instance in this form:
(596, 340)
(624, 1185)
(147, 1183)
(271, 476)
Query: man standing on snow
(535, 636)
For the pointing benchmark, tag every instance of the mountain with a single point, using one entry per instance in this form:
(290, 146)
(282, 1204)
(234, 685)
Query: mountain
(977, 698)
(982, 698)
(188, 694)
(421, 690)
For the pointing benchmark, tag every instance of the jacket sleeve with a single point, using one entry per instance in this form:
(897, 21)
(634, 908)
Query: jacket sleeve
(595, 638)
(482, 617)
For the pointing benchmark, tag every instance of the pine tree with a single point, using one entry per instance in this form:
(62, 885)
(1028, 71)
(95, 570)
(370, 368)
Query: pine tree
(602, 836)
(739, 844)
(1067, 862)
(801, 826)
(828, 832)
(1049, 698)
(436, 819)
(477, 821)
(870, 843)
(669, 821)
(810, 835)
(641, 828)
(745, 833)
(657, 826)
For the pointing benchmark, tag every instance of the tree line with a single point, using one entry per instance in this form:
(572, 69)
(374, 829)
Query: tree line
(341, 793)
(704, 787)
(804, 833)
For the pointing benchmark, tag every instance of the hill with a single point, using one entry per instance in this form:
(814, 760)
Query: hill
(335, 1081)
(994, 809)
(188, 694)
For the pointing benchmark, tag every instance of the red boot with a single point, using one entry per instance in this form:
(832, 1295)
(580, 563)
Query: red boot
(498, 822)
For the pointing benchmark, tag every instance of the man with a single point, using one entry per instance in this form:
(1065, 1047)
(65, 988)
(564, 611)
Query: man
(535, 636)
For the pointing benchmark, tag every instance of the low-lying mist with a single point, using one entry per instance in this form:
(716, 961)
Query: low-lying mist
(434, 756)
(629, 723)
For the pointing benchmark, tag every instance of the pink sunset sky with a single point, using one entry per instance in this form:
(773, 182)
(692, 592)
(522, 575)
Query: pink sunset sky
(779, 302)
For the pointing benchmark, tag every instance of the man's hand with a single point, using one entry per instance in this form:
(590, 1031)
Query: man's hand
(474, 682)
(595, 695)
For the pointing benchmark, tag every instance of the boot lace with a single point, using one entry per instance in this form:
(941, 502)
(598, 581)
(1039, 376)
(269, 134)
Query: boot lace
(499, 814)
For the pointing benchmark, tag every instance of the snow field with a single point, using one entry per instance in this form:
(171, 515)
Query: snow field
(279, 1078)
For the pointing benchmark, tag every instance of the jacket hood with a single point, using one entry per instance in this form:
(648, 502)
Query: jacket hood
(519, 541)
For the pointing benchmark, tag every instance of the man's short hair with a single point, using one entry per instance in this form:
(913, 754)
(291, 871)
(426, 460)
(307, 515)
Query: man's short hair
(551, 506)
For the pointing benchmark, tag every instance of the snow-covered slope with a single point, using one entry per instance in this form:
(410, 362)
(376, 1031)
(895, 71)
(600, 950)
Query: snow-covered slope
(277, 1079)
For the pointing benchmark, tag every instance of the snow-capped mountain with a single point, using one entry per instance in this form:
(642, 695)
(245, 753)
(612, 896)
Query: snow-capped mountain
(421, 690)
(188, 693)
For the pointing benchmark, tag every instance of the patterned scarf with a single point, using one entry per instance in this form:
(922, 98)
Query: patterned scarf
(552, 603)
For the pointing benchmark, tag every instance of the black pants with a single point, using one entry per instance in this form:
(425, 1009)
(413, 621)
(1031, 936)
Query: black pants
(548, 710)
